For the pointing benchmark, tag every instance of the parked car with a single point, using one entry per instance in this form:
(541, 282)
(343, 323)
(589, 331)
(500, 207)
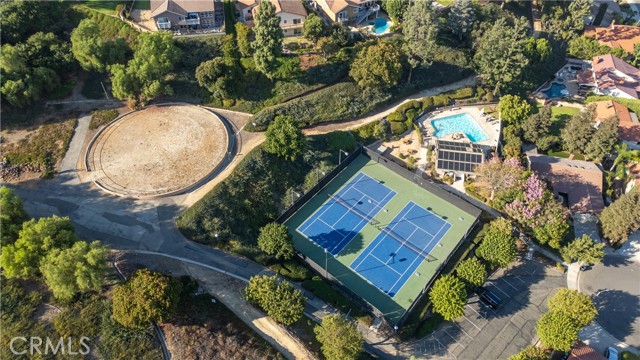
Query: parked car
(487, 297)
(585, 267)
(611, 353)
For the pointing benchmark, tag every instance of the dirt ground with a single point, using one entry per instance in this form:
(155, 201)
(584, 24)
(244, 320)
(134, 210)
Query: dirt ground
(158, 150)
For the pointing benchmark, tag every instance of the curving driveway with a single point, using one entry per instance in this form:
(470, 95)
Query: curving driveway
(614, 287)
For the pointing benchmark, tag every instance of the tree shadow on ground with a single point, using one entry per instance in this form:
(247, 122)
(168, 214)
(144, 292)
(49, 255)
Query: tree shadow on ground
(617, 313)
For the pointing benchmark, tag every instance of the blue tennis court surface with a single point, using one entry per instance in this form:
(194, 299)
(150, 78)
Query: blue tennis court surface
(395, 254)
(342, 217)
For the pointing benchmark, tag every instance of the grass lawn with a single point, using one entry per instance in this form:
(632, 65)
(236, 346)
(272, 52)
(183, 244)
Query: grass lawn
(104, 6)
(142, 4)
(559, 115)
(445, 2)
(565, 154)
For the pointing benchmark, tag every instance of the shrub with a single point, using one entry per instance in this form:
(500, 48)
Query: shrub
(341, 140)
(462, 93)
(346, 99)
(371, 132)
(292, 269)
(411, 114)
(396, 116)
(398, 128)
(427, 103)
(413, 104)
(102, 117)
(441, 100)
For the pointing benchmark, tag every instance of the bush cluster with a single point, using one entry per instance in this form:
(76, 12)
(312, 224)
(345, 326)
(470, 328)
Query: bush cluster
(102, 117)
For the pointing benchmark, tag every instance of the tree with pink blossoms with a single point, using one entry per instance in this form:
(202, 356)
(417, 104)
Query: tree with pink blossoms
(539, 213)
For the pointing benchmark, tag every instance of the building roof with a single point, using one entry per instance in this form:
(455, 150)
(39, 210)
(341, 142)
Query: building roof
(338, 5)
(613, 73)
(241, 4)
(286, 6)
(620, 36)
(181, 7)
(634, 173)
(583, 351)
(628, 129)
(458, 156)
(581, 181)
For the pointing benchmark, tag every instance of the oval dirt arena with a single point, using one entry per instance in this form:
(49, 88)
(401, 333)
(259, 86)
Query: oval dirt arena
(157, 151)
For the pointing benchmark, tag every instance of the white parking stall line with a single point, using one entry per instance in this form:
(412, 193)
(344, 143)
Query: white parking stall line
(474, 325)
(453, 338)
(518, 277)
(508, 283)
(498, 288)
(474, 310)
(461, 329)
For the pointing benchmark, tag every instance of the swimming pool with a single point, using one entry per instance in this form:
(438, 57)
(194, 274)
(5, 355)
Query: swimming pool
(381, 25)
(460, 123)
(556, 91)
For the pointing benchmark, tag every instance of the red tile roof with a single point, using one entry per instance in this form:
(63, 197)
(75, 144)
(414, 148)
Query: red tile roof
(621, 36)
(629, 130)
(583, 351)
(613, 73)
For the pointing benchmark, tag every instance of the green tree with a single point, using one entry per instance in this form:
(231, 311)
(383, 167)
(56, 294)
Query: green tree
(499, 57)
(461, 18)
(636, 55)
(12, 215)
(557, 330)
(512, 142)
(275, 240)
(499, 176)
(91, 51)
(146, 297)
(377, 66)
(537, 129)
(420, 29)
(268, 39)
(472, 271)
(578, 131)
(285, 139)
(531, 353)
(586, 48)
(282, 301)
(603, 140)
(514, 110)
(566, 20)
(313, 28)
(583, 249)
(395, 9)
(339, 33)
(221, 76)
(575, 305)
(498, 245)
(340, 338)
(21, 19)
(144, 76)
(47, 50)
(80, 268)
(621, 218)
(36, 239)
(327, 46)
(244, 37)
(448, 297)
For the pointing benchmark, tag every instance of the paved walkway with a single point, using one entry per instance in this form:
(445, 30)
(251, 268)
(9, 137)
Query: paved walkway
(149, 225)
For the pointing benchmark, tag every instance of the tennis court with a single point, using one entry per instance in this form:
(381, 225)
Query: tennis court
(402, 245)
(342, 217)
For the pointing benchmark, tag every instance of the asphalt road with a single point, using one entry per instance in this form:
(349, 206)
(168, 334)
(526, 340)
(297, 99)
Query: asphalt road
(614, 287)
(484, 333)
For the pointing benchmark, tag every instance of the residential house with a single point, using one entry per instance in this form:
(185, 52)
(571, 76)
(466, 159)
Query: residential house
(629, 128)
(187, 14)
(611, 76)
(292, 14)
(583, 351)
(634, 177)
(459, 157)
(615, 36)
(578, 183)
(350, 12)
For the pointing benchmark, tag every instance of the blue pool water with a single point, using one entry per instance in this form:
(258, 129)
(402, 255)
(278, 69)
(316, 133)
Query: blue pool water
(463, 123)
(381, 25)
(555, 91)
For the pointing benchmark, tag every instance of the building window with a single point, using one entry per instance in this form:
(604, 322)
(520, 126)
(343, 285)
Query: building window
(297, 31)
(297, 21)
(285, 21)
(342, 15)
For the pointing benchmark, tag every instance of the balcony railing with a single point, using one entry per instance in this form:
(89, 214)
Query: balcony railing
(291, 26)
(193, 21)
(164, 24)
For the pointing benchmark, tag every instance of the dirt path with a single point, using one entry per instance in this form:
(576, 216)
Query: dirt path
(230, 292)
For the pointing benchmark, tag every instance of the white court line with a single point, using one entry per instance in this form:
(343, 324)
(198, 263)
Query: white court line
(375, 257)
(349, 185)
(508, 283)
(474, 325)
(417, 257)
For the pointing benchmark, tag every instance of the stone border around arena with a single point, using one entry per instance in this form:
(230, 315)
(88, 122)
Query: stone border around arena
(226, 160)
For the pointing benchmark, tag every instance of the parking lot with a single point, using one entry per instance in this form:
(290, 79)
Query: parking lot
(484, 333)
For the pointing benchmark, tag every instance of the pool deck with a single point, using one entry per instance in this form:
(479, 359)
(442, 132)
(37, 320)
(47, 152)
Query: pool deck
(491, 129)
